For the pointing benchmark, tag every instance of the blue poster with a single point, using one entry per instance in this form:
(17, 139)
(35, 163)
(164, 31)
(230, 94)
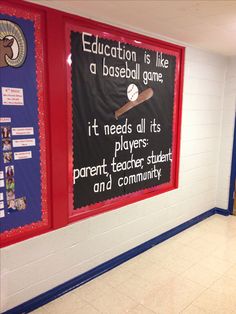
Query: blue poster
(20, 171)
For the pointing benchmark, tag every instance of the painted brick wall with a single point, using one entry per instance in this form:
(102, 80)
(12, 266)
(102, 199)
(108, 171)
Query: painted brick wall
(226, 142)
(34, 266)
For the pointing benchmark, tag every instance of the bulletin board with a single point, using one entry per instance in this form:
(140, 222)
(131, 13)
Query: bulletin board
(23, 172)
(90, 118)
(124, 113)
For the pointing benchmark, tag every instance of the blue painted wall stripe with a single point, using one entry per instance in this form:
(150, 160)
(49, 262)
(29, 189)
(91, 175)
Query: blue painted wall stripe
(233, 172)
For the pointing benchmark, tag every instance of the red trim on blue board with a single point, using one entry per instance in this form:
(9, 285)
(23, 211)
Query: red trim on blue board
(29, 230)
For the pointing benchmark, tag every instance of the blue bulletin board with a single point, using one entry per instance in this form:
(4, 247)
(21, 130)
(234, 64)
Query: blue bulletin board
(23, 205)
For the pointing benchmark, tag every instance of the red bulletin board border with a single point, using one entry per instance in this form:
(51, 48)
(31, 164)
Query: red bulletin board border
(124, 36)
(29, 230)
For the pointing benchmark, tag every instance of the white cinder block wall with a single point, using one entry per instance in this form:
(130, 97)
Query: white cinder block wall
(226, 142)
(34, 266)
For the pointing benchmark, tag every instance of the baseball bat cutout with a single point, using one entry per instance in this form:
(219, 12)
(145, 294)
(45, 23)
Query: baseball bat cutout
(145, 95)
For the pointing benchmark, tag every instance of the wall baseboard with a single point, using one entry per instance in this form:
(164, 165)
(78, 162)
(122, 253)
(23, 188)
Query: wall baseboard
(60, 290)
(223, 212)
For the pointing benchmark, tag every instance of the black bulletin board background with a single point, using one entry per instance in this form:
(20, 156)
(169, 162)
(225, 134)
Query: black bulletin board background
(97, 97)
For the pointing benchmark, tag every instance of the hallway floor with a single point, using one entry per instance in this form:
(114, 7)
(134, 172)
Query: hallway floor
(191, 273)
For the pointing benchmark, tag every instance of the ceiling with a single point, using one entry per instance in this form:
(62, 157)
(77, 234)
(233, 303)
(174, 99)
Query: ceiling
(210, 25)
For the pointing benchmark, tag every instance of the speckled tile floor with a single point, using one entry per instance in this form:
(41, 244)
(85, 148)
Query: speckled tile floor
(191, 273)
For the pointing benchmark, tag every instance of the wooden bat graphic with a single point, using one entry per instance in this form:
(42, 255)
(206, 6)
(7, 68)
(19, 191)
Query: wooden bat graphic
(145, 95)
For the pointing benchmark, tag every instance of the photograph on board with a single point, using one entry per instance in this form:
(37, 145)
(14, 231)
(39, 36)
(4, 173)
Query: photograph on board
(7, 157)
(10, 194)
(5, 131)
(6, 144)
(11, 207)
(20, 203)
(10, 184)
(9, 171)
